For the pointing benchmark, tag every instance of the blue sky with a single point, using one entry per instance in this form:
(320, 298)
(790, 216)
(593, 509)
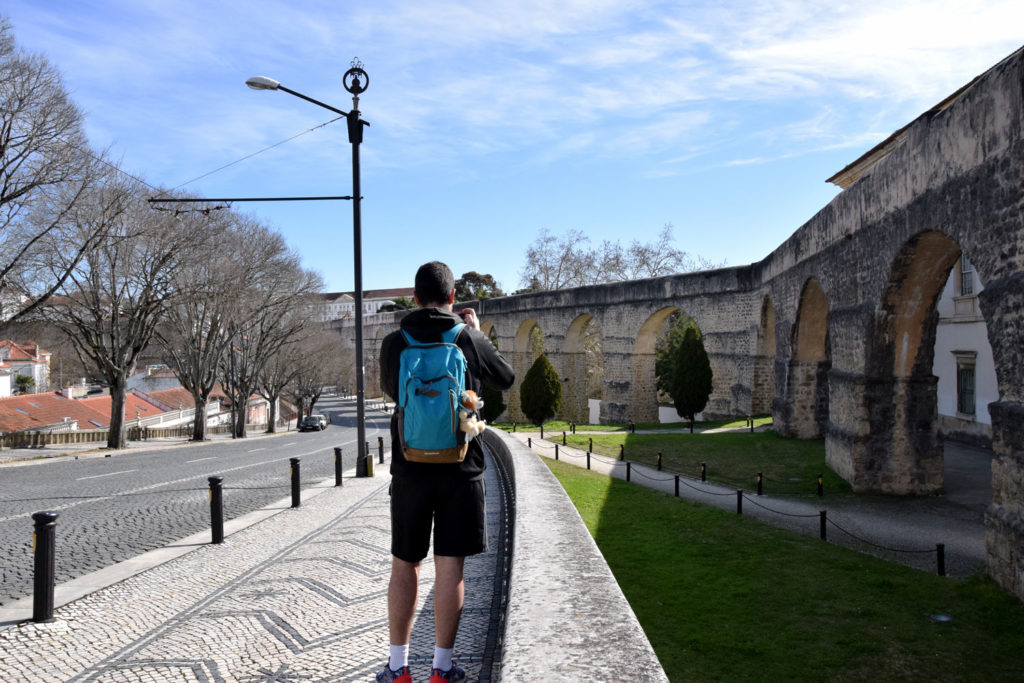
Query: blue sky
(492, 120)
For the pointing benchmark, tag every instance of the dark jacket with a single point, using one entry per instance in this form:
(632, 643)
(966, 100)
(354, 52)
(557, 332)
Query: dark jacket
(484, 365)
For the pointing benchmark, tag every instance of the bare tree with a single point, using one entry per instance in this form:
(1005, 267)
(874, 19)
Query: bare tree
(561, 262)
(46, 169)
(210, 288)
(321, 360)
(259, 325)
(115, 296)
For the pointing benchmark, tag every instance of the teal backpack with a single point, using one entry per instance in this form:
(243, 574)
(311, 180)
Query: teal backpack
(431, 382)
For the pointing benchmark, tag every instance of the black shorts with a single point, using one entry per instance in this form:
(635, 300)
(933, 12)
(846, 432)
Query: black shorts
(454, 507)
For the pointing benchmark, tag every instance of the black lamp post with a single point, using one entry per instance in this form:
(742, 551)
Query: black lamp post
(355, 81)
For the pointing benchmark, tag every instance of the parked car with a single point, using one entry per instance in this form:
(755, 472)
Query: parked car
(313, 423)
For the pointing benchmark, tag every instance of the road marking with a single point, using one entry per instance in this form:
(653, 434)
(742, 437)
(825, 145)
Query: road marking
(109, 474)
(212, 457)
(256, 449)
(292, 443)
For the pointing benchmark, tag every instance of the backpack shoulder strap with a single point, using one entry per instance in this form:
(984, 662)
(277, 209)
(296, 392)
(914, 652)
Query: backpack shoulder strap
(449, 336)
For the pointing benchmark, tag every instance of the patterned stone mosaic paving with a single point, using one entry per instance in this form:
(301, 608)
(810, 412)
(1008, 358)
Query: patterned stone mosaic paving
(299, 597)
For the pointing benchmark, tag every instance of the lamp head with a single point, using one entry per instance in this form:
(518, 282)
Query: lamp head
(263, 83)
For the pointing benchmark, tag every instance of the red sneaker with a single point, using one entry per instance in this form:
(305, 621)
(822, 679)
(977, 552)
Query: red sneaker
(401, 676)
(452, 675)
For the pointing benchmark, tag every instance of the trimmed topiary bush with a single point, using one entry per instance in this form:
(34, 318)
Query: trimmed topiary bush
(684, 372)
(540, 394)
(494, 403)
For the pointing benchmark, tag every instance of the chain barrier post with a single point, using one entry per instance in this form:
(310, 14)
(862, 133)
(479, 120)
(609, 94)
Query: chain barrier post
(940, 558)
(821, 486)
(556, 451)
(739, 501)
(659, 461)
(572, 425)
(44, 548)
(563, 438)
(821, 516)
(216, 509)
(588, 460)
(591, 446)
(751, 425)
(529, 442)
(542, 431)
(632, 427)
(337, 465)
(677, 486)
(369, 461)
(380, 449)
(629, 470)
(622, 451)
(760, 483)
(514, 425)
(703, 471)
(296, 493)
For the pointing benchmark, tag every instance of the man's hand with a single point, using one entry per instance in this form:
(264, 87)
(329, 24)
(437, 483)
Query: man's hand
(469, 316)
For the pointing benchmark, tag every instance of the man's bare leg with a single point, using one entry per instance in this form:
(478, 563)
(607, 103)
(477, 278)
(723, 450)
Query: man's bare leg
(402, 589)
(449, 595)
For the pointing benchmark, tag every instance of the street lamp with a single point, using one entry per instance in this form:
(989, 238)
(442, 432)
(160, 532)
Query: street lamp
(355, 81)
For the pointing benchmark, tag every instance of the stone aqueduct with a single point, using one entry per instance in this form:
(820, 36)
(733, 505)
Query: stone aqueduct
(833, 332)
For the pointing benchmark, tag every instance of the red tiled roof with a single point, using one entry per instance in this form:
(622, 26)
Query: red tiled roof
(133, 405)
(23, 352)
(38, 410)
(172, 398)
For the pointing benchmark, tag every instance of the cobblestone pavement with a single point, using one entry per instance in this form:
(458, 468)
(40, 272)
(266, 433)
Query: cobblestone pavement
(300, 596)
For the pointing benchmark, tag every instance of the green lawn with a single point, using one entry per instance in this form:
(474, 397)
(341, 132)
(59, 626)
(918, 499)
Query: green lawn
(724, 598)
(559, 426)
(734, 458)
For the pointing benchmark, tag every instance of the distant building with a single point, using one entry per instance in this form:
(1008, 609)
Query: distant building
(26, 359)
(963, 359)
(337, 305)
(153, 378)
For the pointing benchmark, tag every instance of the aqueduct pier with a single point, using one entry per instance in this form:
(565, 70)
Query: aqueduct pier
(833, 332)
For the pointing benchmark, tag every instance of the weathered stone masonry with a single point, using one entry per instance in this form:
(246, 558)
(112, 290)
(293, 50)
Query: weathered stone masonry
(835, 329)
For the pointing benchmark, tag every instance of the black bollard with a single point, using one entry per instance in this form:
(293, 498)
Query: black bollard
(529, 442)
(563, 438)
(622, 451)
(542, 431)
(703, 471)
(821, 487)
(337, 465)
(572, 425)
(659, 461)
(632, 427)
(677, 486)
(940, 558)
(591, 441)
(629, 470)
(588, 460)
(751, 425)
(216, 509)
(514, 426)
(760, 484)
(380, 449)
(822, 521)
(556, 451)
(44, 549)
(739, 501)
(296, 494)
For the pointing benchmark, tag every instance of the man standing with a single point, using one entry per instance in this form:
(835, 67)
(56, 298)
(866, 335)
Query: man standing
(449, 497)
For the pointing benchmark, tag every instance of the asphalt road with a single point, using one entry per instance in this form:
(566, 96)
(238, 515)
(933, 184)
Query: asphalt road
(115, 508)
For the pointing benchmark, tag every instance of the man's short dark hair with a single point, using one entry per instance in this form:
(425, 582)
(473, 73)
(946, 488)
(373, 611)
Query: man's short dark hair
(434, 283)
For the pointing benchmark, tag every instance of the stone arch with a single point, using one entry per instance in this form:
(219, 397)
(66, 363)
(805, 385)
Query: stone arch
(643, 402)
(904, 451)
(807, 375)
(489, 330)
(763, 390)
(528, 344)
(584, 365)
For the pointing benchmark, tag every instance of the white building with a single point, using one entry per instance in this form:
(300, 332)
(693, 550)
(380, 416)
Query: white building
(963, 359)
(29, 360)
(336, 305)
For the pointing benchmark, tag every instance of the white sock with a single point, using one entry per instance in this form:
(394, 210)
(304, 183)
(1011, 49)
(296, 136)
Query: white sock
(442, 658)
(399, 657)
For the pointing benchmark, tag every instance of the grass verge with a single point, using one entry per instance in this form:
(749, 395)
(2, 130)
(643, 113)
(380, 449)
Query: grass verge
(559, 426)
(723, 597)
(789, 466)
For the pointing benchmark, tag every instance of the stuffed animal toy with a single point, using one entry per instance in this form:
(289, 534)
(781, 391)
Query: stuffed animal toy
(469, 422)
